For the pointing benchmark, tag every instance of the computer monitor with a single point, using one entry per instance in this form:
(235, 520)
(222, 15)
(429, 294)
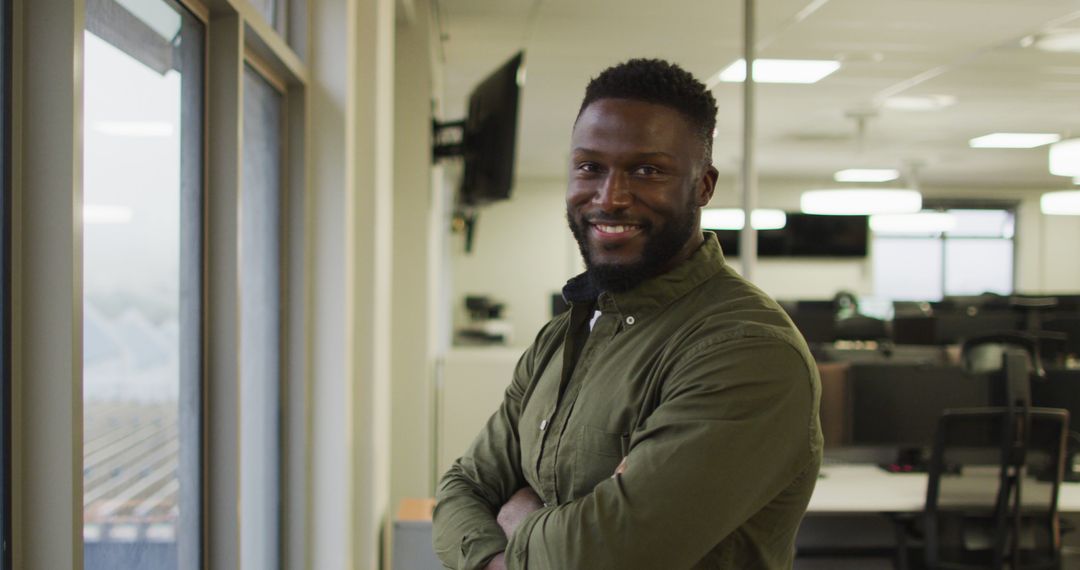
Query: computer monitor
(1069, 325)
(1060, 389)
(898, 405)
(952, 328)
(816, 320)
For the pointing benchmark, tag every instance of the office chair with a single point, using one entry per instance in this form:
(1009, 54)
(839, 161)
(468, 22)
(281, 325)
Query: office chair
(984, 353)
(993, 483)
(989, 503)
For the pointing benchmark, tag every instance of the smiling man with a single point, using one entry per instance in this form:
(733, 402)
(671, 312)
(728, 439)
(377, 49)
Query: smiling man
(669, 419)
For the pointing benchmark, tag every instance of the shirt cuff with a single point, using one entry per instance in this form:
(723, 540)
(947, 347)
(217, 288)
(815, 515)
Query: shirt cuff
(478, 549)
(517, 548)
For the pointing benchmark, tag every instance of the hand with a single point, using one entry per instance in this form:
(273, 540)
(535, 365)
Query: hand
(523, 502)
(621, 468)
(497, 563)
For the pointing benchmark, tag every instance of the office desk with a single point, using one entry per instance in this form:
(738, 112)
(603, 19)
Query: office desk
(865, 489)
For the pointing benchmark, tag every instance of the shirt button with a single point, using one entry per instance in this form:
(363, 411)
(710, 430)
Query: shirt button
(630, 320)
(543, 424)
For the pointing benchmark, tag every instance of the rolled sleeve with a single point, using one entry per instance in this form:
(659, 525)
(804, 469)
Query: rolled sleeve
(733, 430)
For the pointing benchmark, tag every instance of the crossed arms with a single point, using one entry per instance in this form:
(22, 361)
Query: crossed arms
(704, 462)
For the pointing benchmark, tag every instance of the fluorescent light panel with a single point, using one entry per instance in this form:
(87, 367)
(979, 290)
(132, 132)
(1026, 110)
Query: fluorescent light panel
(866, 175)
(1013, 140)
(1063, 203)
(778, 71)
(919, 102)
(860, 201)
(1061, 41)
(735, 219)
(1065, 158)
(920, 223)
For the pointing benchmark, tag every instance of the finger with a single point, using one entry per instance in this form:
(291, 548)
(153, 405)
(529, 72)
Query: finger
(621, 468)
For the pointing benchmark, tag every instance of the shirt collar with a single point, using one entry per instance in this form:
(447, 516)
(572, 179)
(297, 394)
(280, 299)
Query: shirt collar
(654, 293)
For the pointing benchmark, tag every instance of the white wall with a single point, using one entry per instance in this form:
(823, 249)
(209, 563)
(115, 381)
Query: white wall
(524, 251)
(352, 51)
(1047, 256)
(411, 364)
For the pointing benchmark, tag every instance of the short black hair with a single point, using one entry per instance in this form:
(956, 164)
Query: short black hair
(661, 82)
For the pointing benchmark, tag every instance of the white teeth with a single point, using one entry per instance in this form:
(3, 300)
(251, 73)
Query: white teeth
(614, 229)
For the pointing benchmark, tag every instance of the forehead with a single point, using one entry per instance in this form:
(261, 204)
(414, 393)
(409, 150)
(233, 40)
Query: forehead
(626, 125)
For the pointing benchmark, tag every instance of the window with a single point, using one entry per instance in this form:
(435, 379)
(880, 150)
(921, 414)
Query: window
(142, 284)
(950, 252)
(261, 308)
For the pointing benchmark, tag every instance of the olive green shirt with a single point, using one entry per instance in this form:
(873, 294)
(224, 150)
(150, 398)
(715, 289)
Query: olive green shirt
(700, 380)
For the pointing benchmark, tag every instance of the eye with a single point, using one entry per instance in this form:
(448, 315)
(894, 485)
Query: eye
(647, 170)
(587, 167)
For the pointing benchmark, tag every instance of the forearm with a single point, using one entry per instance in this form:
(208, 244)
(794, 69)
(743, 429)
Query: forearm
(465, 532)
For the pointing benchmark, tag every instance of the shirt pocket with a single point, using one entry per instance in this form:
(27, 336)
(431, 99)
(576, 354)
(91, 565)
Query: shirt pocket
(599, 452)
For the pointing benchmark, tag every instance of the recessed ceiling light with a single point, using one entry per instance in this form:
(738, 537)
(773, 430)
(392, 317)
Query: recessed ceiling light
(866, 175)
(1064, 203)
(1062, 41)
(1065, 158)
(861, 201)
(919, 102)
(735, 219)
(1013, 140)
(777, 71)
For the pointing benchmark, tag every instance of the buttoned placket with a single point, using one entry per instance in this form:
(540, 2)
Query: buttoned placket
(557, 423)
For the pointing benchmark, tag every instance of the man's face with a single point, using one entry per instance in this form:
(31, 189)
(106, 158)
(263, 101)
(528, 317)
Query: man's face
(637, 182)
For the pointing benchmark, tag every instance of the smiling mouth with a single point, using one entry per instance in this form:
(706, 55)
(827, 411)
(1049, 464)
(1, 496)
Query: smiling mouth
(616, 228)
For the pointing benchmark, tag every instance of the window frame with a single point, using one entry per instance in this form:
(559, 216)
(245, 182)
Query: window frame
(46, 307)
(6, 49)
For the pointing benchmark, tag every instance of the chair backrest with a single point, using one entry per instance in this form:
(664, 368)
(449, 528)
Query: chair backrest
(975, 475)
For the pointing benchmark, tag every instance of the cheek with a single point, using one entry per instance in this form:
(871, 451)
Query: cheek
(577, 194)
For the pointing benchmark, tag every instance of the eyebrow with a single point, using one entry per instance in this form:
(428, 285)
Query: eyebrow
(640, 155)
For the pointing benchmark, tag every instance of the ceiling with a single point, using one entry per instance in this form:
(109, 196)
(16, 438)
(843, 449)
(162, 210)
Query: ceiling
(968, 49)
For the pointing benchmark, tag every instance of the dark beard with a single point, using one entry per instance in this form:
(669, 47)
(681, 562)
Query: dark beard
(659, 249)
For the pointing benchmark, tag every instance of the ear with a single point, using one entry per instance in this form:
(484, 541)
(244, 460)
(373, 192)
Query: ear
(707, 185)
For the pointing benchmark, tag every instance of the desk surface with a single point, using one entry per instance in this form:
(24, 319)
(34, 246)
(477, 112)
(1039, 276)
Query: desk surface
(863, 488)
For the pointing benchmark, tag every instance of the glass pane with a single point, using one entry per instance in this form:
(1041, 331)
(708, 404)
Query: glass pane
(907, 269)
(141, 283)
(260, 324)
(976, 266)
(982, 223)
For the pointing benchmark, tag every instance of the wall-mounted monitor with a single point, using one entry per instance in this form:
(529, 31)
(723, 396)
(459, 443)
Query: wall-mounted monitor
(488, 139)
(807, 235)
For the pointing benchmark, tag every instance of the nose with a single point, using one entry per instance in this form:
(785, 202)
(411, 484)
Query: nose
(614, 193)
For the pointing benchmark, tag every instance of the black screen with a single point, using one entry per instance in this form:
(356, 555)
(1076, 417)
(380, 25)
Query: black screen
(491, 136)
(807, 235)
(899, 405)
